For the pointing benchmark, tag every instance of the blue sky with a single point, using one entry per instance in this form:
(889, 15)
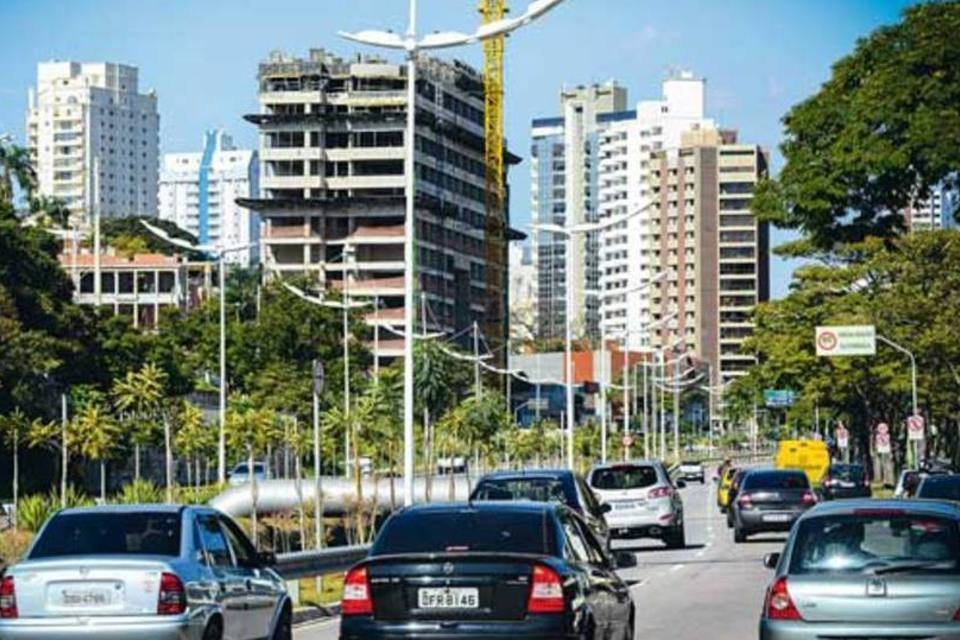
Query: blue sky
(758, 56)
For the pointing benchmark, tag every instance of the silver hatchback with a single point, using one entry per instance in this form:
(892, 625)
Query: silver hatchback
(867, 569)
(152, 572)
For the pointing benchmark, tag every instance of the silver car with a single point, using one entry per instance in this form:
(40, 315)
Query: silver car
(867, 569)
(644, 501)
(156, 572)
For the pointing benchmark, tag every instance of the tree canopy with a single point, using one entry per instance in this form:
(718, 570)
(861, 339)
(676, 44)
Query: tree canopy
(881, 132)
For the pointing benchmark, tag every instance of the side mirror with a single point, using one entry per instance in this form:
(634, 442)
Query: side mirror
(681, 484)
(606, 508)
(624, 560)
(267, 559)
(771, 560)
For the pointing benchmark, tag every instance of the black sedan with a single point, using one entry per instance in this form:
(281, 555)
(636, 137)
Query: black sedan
(547, 485)
(770, 500)
(845, 481)
(487, 570)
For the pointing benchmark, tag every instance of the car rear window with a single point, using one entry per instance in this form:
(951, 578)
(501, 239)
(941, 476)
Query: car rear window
(775, 480)
(98, 534)
(624, 477)
(849, 473)
(466, 530)
(940, 488)
(532, 488)
(877, 541)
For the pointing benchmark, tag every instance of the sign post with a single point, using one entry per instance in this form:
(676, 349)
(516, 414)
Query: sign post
(848, 340)
(843, 441)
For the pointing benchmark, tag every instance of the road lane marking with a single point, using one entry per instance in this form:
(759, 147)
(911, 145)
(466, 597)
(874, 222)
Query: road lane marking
(676, 567)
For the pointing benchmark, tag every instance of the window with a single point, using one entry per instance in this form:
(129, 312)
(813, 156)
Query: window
(243, 551)
(624, 477)
(576, 546)
(214, 542)
(467, 530)
(97, 534)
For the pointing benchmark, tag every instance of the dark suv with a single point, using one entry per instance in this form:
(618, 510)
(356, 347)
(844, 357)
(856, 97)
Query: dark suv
(541, 485)
(845, 481)
(770, 501)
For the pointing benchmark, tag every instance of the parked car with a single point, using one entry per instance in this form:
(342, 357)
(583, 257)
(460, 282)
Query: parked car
(867, 569)
(240, 474)
(941, 487)
(732, 492)
(487, 569)
(910, 479)
(644, 502)
(690, 471)
(156, 572)
(845, 481)
(723, 488)
(540, 485)
(770, 500)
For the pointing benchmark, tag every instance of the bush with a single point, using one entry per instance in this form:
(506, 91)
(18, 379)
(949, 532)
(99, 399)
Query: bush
(191, 495)
(13, 544)
(140, 492)
(34, 511)
(75, 498)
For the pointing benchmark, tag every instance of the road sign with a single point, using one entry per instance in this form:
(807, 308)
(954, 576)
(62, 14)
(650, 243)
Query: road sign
(882, 438)
(853, 340)
(915, 428)
(843, 437)
(779, 397)
(627, 440)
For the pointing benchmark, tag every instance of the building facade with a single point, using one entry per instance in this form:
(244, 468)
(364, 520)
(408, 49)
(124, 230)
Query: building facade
(87, 116)
(199, 191)
(523, 293)
(332, 135)
(931, 213)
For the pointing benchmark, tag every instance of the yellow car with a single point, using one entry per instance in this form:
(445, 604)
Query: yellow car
(723, 488)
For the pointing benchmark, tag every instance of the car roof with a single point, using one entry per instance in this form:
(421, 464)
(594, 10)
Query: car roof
(626, 463)
(125, 508)
(485, 506)
(941, 477)
(529, 473)
(848, 507)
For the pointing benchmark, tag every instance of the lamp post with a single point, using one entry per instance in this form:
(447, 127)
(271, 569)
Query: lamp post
(913, 382)
(220, 251)
(412, 45)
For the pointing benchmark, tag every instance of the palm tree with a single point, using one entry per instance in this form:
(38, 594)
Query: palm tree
(13, 428)
(53, 211)
(140, 394)
(433, 379)
(50, 436)
(15, 167)
(194, 439)
(96, 437)
(250, 430)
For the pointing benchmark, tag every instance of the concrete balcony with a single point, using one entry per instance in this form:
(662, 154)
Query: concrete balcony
(386, 317)
(290, 153)
(363, 182)
(365, 153)
(291, 182)
(290, 235)
(380, 287)
(373, 235)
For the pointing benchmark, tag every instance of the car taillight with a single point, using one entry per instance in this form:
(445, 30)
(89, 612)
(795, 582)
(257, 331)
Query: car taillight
(745, 501)
(356, 599)
(660, 492)
(779, 605)
(809, 498)
(172, 600)
(8, 599)
(546, 591)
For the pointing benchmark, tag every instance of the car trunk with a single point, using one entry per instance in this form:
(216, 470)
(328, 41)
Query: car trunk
(875, 599)
(776, 499)
(461, 587)
(97, 587)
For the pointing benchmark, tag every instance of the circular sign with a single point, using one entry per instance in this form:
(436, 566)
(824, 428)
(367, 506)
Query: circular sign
(883, 429)
(627, 440)
(827, 341)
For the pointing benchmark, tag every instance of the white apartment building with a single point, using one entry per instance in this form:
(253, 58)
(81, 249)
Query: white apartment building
(931, 213)
(523, 292)
(86, 115)
(198, 192)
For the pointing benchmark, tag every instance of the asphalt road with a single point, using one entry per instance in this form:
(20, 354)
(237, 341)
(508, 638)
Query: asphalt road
(713, 588)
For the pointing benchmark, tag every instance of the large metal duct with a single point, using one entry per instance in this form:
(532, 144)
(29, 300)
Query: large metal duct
(338, 493)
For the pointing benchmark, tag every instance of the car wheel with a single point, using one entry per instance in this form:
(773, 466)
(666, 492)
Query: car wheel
(631, 626)
(284, 630)
(214, 630)
(729, 519)
(739, 535)
(676, 539)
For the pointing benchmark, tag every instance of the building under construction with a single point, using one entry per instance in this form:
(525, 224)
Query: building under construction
(332, 136)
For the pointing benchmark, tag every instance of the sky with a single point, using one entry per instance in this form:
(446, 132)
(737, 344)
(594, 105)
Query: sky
(759, 57)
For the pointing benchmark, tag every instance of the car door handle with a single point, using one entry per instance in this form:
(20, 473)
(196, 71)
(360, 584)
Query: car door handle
(249, 584)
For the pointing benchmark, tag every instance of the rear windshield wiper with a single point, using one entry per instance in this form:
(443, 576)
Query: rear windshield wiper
(907, 567)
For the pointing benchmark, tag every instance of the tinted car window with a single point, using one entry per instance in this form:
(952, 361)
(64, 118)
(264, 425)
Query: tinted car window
(940, 488)
(847, 472)
(532, 488)
(242, 549)
(775, 480)
(214, 542)
(589, 500)
(467, 530)
(624, 477)
(868, 542)
(95, 534)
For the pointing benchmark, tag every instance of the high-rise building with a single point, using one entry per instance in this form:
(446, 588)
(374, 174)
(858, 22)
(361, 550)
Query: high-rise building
(523, 293)
(86, 115)
(565, 191)
(930, 213)
(198, 192)
(332, 134)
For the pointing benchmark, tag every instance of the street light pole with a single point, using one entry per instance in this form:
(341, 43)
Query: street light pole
(571, 418)
(913, 379)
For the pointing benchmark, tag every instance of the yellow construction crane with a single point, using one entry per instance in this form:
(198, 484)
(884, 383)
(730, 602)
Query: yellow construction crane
(496, 326)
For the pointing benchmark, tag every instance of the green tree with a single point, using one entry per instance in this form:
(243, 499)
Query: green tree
(250, 431)
(97, 438)
(13, 429)
(137, 399)
(194, 440)
(15, 170)
(876, 136)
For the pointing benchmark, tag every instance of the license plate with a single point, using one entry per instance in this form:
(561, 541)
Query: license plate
(84, 598)
(448, 598)
(777, 517)
(627, 504)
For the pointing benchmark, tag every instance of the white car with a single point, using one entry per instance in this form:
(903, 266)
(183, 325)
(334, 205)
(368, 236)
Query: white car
(240, 474)
(644, 501)
(691, 471)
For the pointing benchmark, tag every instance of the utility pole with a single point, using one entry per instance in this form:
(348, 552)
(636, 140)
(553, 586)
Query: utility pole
(476, 360)
(97, 285)
(676, 411)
